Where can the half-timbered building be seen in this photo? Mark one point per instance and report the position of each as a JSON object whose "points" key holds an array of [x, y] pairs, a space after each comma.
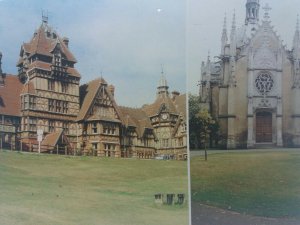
{"points": [[82, 119]]}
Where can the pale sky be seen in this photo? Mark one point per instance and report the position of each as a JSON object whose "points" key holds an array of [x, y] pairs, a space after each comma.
{"points": [[125, 40], [205, 23]]}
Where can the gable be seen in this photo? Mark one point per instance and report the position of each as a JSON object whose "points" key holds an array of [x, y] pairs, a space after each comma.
{"points": [[102, 107], [97, 103], [266, 47]]}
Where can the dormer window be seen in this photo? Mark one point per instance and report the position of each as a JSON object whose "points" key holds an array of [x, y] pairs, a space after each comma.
{"points": [[57, 60]]}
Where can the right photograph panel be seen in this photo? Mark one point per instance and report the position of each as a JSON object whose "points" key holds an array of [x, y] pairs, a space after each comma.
{"points": [[243, 66]]}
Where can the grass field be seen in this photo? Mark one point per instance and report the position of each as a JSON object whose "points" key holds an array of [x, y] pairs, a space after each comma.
{"points": [[50, 189], [265, 183]]}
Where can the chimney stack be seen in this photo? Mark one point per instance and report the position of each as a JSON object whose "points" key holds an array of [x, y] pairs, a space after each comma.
{"points": [[66, 41], [175, 94]]}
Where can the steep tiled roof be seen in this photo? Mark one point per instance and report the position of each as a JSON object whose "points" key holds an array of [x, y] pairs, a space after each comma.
{"points": [[88, 93], [10, 102], [51, 139], [153, 109], [137, 118], [180, 104], [43, 44]]}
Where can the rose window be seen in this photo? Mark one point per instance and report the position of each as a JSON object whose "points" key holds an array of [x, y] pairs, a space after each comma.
{"points": [[264, 83]]}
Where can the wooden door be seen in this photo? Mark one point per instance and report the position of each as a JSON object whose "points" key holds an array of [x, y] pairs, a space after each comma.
{"points": [[263, 127]]}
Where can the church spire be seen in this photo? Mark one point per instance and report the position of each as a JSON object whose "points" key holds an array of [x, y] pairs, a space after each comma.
{"points": [[252, 12], [224, 38]]}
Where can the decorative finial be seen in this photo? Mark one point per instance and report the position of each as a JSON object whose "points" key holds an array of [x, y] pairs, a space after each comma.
{"points": [[162, 88], [45, 17], [162, 69], [233, 27], [267, 8], [225, 22], [233, 20]]}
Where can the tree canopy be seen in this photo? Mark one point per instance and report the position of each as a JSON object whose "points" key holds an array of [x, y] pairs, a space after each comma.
{"points": [[203, 129]]}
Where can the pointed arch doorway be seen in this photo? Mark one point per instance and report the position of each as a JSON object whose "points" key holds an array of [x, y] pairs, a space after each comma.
{"points": [[264, 127]]}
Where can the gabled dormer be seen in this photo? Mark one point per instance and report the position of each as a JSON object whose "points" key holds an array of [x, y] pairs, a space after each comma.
{"points": [[97, 102]]}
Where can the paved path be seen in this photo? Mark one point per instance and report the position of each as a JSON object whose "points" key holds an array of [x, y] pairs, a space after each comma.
{"points": [[207, 215], [210, 151]]}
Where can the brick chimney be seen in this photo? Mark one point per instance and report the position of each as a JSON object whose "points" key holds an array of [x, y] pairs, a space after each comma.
{"points": [[175, 94]]}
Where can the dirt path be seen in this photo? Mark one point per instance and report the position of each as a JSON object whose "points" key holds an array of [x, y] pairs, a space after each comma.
{"points": [[207, 215]]}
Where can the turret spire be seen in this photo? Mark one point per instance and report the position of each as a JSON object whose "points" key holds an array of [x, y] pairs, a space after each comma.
{"points": [[233, 36], [162, 88], [224, 38], [296, 41], [233, 26]]}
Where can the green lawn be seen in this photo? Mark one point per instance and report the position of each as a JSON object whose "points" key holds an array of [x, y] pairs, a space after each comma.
{"points": [[265, 183], [50, 189]]}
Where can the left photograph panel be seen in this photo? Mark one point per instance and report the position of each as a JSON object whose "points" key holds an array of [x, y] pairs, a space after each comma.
{"points": [[93, 113]]}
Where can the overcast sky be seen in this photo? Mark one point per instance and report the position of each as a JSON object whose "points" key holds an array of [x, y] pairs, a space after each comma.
{"points": [[127, 40], [205, 22]]}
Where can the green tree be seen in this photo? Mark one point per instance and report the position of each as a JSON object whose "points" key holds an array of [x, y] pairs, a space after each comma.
{"points": [[203, 128], [205, 125], [194, 108]]}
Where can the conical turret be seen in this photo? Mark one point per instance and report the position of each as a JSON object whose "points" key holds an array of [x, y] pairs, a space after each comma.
{"points": [[162, 88]]}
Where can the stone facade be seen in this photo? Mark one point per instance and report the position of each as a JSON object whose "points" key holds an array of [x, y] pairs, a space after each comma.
{"points": [[254, 90]]}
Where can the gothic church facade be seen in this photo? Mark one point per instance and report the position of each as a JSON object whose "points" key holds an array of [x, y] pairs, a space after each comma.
{"points": [[254, 89]]}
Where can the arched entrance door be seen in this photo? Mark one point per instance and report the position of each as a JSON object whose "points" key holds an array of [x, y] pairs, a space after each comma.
{"points": [[263, 127]]}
